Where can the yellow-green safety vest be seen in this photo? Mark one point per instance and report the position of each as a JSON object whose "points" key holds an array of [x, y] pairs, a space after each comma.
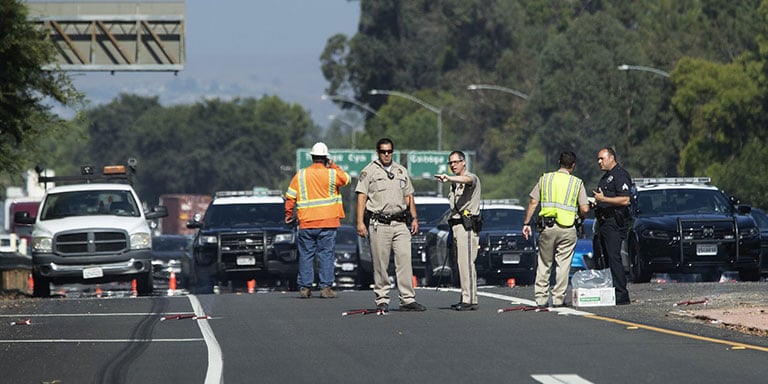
{"points": [[559, 196]]}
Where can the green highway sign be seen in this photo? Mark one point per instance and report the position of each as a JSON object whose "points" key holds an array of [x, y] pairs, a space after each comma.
{"points": [[426, 164], [351, 160]]}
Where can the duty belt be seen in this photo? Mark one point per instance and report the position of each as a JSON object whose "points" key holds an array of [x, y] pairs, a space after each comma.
{"points": [[386, 219]]}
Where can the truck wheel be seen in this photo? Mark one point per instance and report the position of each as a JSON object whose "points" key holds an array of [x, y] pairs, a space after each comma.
{"points": [[42, 287], [145, 284], [752, 274]]}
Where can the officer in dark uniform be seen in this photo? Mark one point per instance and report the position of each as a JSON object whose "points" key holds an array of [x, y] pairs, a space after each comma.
{"points": [[612, 212]]}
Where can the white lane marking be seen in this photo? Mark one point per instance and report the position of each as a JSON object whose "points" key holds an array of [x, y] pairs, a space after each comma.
{"points": [[215, 372], [94, 314], [560, 379], [518, 300], [98, 341]]}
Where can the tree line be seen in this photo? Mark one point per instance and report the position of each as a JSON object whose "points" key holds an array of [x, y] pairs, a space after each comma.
{"points": [[704, 119]]}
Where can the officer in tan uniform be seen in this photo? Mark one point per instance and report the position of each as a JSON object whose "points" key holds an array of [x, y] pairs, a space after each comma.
{"points": [[464, 201], [384, 198]]}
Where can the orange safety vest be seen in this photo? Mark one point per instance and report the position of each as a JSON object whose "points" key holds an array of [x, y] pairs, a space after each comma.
{"points": [[316, 191]]}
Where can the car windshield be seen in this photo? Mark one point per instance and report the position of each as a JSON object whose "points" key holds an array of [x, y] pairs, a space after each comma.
{"points": [[87, 203], [170, 243], [497, 218], [760, 218], [681, 201], [346, 237], [431, 213], [244, 215]]}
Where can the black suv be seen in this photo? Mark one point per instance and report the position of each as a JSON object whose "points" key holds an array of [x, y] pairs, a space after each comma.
{"points": [[242, 236], [687, 225]]}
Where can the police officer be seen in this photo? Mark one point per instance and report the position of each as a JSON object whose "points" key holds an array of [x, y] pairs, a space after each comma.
{"points": [[464, 200], [612, 213], [563, 198], [384, 198]]}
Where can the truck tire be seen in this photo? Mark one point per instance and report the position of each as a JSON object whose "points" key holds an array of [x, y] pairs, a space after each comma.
{"points": [[145, 284], [42, 286]]}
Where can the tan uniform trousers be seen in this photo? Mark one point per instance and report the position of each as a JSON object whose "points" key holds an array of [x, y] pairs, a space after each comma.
{"points": [[386, 238], [556, 244], [467, 243]]}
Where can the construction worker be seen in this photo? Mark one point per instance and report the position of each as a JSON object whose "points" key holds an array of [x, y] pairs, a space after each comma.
{"points": [[464, 200], [384, 197], [314, 192], [562, 198]]}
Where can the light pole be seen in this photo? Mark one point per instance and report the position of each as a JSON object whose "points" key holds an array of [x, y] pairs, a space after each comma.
{"points": [[424, 104], [625, 67], [475, 87], [351, 101], [349, 124]]}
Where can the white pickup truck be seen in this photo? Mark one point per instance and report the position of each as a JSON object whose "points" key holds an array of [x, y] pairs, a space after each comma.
{"points": [[93, 231]]}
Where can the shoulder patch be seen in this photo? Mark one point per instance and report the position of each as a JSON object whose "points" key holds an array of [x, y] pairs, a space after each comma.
{"points": [[362, 175]]}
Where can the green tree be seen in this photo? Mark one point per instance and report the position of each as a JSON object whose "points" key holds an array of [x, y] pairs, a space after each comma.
{"points": [[27, 92]]}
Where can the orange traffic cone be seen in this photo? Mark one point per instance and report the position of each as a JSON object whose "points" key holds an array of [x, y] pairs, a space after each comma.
{"points": [[415, 281], [251, 285], [172, 283], [30, 283], [98, 290], [133, 288], [511, 282]]}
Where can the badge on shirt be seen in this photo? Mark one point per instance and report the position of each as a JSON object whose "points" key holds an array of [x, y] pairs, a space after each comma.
{"points": [[362, 175], [610, 178]]}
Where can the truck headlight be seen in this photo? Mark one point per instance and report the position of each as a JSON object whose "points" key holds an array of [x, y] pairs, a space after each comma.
{"points": [[750, 233], [42, 244], [141, 241], [284, 238], [208, 240]]}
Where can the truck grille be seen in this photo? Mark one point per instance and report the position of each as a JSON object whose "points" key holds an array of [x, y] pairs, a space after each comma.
{"points": [[91, 242], [247, 244], [707, 230]]}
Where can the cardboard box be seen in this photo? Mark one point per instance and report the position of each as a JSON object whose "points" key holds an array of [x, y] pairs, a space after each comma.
{"points": [[594, 297]]}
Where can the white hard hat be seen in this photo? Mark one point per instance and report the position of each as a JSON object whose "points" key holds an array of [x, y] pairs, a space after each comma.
{"points": [[319, 149]]}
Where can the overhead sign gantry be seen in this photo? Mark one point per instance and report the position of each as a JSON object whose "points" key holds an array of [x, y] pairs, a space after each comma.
{"points": [[113, 35]]}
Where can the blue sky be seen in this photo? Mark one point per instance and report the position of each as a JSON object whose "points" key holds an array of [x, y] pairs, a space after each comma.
{"points": [[247, 48]]}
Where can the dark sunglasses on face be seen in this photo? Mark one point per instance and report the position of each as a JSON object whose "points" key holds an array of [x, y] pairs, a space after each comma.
{"points": [[452, 162], [386, 152]]}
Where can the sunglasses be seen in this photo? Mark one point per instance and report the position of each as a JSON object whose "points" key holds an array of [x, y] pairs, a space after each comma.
{"points": [[454, 162], [386, 152]]}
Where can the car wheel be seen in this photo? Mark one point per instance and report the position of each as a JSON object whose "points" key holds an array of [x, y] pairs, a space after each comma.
{"points": [[42, 286], [638, 271], [752, 274], [145, 284]]}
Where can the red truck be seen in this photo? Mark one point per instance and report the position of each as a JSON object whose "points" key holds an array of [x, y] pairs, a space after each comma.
{"points": [[181, 208]]}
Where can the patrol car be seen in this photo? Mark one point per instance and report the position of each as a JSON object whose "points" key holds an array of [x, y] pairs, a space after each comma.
{"points": [[504, 253], [687, 225], [92, 231], [242, 236]]}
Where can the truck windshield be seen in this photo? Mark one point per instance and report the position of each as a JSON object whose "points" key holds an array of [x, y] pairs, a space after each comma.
{"points": [[244, 215], [88, 203]]}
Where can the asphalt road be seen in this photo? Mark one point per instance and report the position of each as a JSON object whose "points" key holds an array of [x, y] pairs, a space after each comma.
{"points": [[276, 337]]}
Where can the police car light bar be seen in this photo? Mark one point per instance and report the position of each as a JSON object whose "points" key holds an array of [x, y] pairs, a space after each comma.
{"points": [[266, 192], [502, 201], [672, 180]]}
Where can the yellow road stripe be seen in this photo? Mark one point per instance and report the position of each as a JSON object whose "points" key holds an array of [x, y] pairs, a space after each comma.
{"points": [[681, 334]]}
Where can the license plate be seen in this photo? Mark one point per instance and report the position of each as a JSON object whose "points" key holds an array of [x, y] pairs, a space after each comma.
{"points": [[93, 273], [347, 267], [706, 249], [510, 259], [246, 260]]}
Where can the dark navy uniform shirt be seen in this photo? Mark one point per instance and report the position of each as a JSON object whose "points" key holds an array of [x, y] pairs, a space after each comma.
{"points": [[615, 182]]}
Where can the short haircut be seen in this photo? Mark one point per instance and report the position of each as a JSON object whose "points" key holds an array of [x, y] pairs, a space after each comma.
{"points": [[567, 159], [459, 153], [610, 151], [384, 141]]}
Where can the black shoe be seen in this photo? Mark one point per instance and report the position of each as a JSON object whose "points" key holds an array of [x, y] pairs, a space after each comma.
{"points": [[456, 306], [413, 307], [383, 308], [563, 305], [623, 302], [466, 307]]}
